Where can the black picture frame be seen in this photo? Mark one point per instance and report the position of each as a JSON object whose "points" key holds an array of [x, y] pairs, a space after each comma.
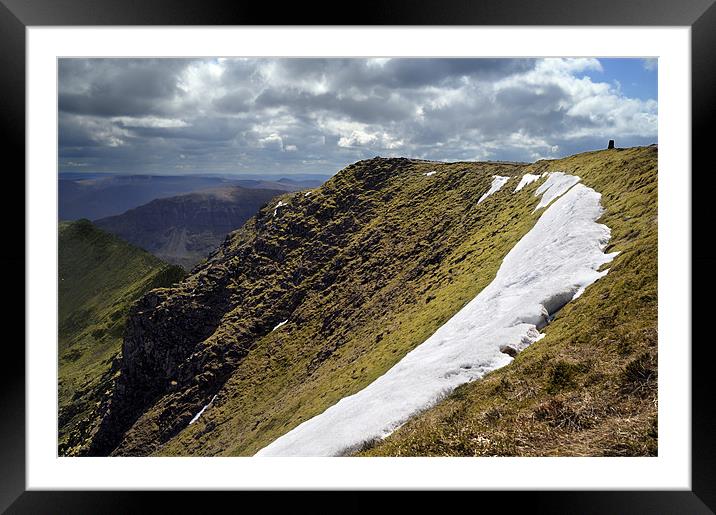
{"points": [[16, 15]]}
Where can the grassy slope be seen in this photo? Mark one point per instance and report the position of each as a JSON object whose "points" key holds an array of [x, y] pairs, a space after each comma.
{"points": [[430, 250], [589, 387], [99, 278], [404, 254]]}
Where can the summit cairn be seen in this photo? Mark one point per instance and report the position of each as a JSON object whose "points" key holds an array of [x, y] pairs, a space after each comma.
{"points": [[611, 144]]}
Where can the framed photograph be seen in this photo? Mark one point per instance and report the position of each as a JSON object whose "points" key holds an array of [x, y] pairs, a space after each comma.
{"points": [[445, 247]]}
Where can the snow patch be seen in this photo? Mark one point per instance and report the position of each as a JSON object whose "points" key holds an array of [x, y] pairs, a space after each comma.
{"points": [[554, 262], [497, 183], [279, 325], [428, 174], [280, 204], [196, 417], [307, 193], [527, 178], [557, 184]]}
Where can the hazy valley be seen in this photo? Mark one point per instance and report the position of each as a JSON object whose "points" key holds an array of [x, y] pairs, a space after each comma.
{"points": [[94, 196]]}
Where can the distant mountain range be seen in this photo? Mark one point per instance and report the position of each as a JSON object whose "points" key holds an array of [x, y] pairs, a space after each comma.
{"points": [[95, 196], [184, 229]]}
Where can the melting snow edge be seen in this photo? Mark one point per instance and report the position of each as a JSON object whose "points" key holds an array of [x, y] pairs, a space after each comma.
{"points": [[497, 183]]}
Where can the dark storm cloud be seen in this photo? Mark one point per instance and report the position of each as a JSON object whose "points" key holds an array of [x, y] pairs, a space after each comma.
{"points": [[422, 72], [379, 106], [118, 87], [317, 115], [73, 133], [532, 100], [401, 73], [238, 101]]}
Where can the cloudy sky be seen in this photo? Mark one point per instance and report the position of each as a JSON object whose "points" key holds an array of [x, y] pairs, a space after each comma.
{"points": [[277, 116]]}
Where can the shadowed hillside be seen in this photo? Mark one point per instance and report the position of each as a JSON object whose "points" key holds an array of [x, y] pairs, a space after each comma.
{"points": [[100, 276], [183, 230]]}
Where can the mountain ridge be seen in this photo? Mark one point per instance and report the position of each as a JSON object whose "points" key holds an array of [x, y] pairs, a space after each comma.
{"points": [[184, 229], [100, 196], [318, 295]]}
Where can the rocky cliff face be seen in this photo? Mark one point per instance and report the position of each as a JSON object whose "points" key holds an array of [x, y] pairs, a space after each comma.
{"points": [[316, 296], [184, 229]]}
